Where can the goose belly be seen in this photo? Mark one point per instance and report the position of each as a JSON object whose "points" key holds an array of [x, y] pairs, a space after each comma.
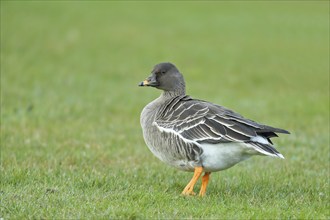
{"points": [[222, 156]]}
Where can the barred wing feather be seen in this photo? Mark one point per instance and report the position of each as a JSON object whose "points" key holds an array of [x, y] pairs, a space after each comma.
{"points": [[201, 122]]}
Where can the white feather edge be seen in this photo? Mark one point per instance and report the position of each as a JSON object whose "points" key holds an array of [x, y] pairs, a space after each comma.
{"points": [[168, 130]]}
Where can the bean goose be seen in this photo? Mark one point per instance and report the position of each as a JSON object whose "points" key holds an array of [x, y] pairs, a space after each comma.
{"points": [[198, 136]]}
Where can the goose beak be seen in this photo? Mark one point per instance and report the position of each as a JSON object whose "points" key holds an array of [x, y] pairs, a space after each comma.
{"points": [[150, 81]]}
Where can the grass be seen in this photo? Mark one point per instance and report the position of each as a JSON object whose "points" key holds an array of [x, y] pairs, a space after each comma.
{"points": [[71, 143]]}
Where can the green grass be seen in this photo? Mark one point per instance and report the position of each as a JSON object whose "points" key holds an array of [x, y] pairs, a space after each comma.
{"points": [[71, 142]]}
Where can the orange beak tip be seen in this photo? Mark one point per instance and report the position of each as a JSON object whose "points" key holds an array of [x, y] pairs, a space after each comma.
{"points": [[143, 83]]}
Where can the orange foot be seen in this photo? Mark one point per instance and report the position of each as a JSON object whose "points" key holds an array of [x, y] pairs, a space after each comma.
{"points": [[188, 193], [205, 181], [188, 190]]}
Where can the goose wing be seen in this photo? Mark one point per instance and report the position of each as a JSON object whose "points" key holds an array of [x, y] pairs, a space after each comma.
{"points": [[203, 122]]}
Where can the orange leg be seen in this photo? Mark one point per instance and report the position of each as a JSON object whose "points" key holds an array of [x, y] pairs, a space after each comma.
{"points": [[205, 181], [188, 190]]}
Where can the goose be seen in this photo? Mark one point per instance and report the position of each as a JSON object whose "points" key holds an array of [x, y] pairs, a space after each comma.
{"points": [[198, 136]]}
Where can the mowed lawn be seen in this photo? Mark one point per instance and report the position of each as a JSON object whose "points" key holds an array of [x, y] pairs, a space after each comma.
{"points": [[71, 142]]}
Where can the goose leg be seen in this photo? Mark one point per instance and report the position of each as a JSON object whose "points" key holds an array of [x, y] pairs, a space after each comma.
{"points": [[188, 190], [205, 181]]}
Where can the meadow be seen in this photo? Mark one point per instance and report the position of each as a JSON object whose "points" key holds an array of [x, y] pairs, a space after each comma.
{"points": [[71, 142]]}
